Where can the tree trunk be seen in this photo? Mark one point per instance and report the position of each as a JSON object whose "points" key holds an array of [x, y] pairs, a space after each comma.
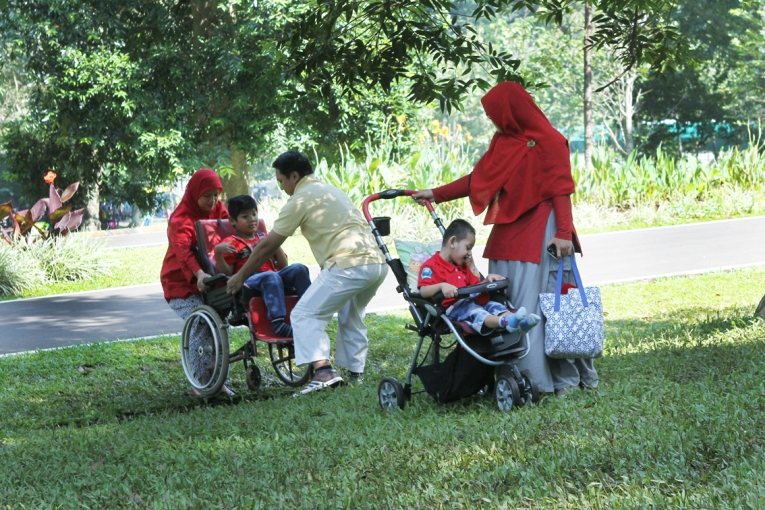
{"points": [[236, 184], [629, 113], [589, 125], [91, 220], [135, 217]]}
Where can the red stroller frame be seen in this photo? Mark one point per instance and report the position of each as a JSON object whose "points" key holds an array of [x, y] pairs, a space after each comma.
{"points": [[205, 352], [512, 387]]}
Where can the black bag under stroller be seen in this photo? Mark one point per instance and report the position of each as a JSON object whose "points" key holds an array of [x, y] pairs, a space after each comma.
{"points": [[458, 362]]}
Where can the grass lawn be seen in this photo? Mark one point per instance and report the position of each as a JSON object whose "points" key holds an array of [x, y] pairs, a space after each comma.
{"points": [[677, 423]]}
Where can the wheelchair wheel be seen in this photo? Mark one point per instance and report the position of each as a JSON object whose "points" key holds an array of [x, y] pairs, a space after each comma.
{"points": [[507, 393], [205, 350], [283, 360], [252, 374], [390, 394]]}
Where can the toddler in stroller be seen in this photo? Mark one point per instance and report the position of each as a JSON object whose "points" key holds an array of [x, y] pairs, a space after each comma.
{"points": [[479, 358], [447, 271]]}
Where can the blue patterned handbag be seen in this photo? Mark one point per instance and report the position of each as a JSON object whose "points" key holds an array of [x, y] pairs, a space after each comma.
{"points": [[574, 327]]}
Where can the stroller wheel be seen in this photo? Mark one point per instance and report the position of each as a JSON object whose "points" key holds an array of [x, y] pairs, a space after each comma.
{"points": [[507, 393], [253, 377], [390, 394], [204, 351], [531, 389]]}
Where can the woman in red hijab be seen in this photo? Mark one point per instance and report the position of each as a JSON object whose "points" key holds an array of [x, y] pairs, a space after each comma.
{"points": [[524, 183], [181, 273]]}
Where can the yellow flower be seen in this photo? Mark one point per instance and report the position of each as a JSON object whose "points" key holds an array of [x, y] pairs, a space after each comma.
{"points": [[401, 119], [444, 131], [458, 128], [469, 138], [436, 124]]}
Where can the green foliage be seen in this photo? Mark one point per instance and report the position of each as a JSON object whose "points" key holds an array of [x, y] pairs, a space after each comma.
{"points": [[714, 97], [17, 273], [27, 265], [438, 160], [662, 177], [435, 45], [69, 258], [111, 424]]}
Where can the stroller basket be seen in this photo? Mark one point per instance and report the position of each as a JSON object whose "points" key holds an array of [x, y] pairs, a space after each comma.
{"points": [[383, 225]]}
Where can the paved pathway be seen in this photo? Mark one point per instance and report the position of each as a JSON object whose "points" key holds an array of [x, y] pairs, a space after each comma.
{"points": [[139, 311]]}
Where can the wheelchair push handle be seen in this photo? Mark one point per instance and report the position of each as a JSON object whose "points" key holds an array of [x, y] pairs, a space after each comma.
{"points": [[212, 280], [387, 195]]}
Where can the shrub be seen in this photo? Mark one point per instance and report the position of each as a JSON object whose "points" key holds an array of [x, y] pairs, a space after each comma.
{"points": [[18, 271], [69, 258]]}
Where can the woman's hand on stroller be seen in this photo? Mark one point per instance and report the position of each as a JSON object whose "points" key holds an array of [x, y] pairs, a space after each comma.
{"points": [[494, 277], [422, 195]]}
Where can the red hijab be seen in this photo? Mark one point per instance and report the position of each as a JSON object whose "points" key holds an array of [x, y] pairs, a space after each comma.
{"points": [[526, 164], [188, 210]]}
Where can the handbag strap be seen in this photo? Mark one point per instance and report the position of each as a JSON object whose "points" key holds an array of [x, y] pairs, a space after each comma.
{"points": [[577, 279]]}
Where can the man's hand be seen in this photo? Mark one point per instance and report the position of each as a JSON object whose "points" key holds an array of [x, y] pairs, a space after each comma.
{"points": [[494, 277], [235, 284], [448, 290], [224, 248], [563, 247]]}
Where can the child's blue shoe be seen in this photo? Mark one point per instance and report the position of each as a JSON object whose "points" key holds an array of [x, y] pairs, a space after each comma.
{"points": [[529, 322], [512, 323]]}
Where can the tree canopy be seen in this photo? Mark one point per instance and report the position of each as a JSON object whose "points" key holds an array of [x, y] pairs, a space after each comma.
{"points": [[128, 94], [435, 46]]}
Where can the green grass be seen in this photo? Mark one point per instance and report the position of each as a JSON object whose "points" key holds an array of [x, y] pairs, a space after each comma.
{"points": [[677, 423]]}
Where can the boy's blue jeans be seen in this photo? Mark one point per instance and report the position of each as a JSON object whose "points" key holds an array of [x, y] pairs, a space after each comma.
{"points": [[271, 286]]}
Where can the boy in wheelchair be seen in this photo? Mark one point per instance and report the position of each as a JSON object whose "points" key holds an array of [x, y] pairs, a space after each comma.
{"points": [[448, 270], [273, 276]]}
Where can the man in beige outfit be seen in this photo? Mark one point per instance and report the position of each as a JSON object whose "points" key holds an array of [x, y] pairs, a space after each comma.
{"points": [[352, 270]]}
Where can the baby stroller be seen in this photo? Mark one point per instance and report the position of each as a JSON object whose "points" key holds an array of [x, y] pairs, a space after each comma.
{"points": [[205, 352], [458, 362]]}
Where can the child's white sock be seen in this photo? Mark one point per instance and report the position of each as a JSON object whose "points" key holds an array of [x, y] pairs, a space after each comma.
{"points": [[529, 322], [513, 322]]}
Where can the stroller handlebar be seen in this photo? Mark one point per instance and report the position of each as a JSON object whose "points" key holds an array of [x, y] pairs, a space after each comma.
{"points": [[387, 195], [479, 288]]}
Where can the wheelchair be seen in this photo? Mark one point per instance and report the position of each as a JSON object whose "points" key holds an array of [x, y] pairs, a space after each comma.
{"points": [[205, 351]]}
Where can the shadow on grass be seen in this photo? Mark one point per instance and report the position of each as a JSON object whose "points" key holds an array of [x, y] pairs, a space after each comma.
{"points": [[173, 406]]}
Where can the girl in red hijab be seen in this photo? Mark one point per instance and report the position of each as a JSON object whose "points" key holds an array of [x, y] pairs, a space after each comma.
{"points": [[524, 183], [181, 273]]}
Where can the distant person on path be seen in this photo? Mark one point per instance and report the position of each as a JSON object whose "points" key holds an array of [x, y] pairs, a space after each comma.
{"points": [[352, 268], [270, 278], [448, 270], [524, 183], [181, 275]]}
